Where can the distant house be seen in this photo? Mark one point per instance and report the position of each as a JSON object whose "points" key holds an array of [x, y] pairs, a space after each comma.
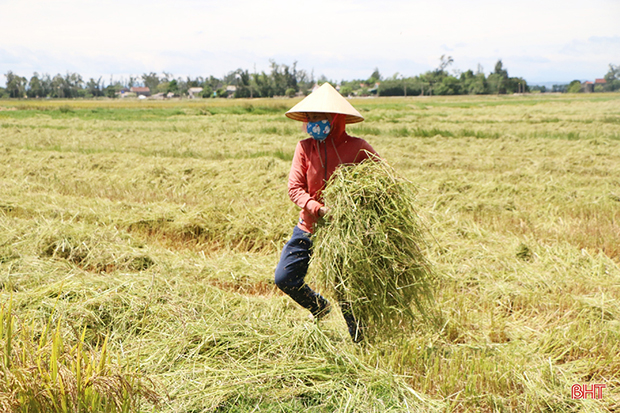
{"points": [[374, 90], [599, 85], [194, 92], [126, 93], [230, 90], [141, 91], [587, 87]]}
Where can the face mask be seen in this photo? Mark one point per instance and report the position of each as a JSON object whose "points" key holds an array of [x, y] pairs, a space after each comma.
{"points": [[319, 130]]}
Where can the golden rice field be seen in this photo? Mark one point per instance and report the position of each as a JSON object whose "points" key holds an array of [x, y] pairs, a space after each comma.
{"points": [[138, 242]]}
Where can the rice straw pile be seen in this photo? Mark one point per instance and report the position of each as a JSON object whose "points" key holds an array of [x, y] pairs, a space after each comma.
{"points": [[368, 250]]}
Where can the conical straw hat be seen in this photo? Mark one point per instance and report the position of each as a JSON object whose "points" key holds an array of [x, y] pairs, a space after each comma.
{"points": [[325, 99]]}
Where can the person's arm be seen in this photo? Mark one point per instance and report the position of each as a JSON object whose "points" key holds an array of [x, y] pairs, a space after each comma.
{"points": [[298, 183]]}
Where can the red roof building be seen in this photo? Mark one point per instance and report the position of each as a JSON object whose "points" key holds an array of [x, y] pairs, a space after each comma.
{"points": [[587, 87], [138, 90]]}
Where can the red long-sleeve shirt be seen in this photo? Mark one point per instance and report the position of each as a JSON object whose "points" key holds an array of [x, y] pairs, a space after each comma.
{"points": [[314, 162]]}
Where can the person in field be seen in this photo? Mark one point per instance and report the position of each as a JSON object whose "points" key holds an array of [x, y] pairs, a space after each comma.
{"points": [[325, 114]]}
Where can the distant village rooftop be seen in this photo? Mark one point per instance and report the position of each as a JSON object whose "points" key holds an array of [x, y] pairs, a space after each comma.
{"points": [[141, 90]]}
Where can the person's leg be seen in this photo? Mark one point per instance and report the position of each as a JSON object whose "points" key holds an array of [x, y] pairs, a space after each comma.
{"points": [[353, 325], [291, 272]]}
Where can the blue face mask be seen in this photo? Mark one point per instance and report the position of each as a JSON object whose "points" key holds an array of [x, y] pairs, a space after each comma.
{"points": [[319, 130]]}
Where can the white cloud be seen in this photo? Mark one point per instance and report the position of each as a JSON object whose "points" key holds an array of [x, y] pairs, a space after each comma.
{"points": [[536, 39], [595, 45]]}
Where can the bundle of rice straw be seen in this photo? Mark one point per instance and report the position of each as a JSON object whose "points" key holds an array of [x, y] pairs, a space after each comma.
{"points": [[368, 250]]}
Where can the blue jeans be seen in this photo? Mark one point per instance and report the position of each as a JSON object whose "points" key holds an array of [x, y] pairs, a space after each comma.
{"points": [[290, 278], [291, 272]]}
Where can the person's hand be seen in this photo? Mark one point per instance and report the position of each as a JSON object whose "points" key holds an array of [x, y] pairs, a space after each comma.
{"points": [[323, 210]]}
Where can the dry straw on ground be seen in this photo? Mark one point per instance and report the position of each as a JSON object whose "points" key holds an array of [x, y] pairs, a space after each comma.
{"points": [[158, 225], [369, 250]]}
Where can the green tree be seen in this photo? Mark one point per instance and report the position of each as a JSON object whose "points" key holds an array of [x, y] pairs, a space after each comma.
{"points": [[46, 85], [472, 84], [613, 78], [133, 81], [283, 77], [94, 87], [207, 91], [15, 85], [262, 83], [374, 78], [110, 91], [400, 86], [305, 81], [353, 85], [559, 88], [499, 69], [210, 84], [479, 85], [162, 87], [35, 87], [444, 62], [58, 86], [74, 83], [151, 80], [430, 80], [498, 79], [449, 85], [613, 73], [68, 86], [242, 80], [346, 91], [173, 87], [193, 83], [574, 87]]}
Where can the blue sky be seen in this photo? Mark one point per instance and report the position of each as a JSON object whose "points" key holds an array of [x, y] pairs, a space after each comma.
{"points": [[542, 41]]}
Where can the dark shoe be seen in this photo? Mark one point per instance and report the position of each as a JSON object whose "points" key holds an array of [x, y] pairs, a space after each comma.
{"points": [[354, 326], [327, 308]]}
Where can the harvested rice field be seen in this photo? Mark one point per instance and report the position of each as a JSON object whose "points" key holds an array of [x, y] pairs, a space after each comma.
{"points": [[138, 241]]}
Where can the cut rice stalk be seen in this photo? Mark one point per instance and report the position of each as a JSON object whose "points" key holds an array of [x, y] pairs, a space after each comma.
{"points": [[368, 251]]}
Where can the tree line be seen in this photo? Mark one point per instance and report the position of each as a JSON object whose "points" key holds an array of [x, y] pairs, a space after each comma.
{"points": [[439, 82], [282, 80], [288, 80]]}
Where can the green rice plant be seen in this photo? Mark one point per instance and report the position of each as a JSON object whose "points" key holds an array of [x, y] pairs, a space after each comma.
{"points": [[364, 130], [41, 373], [428, 133], [370, 249]]}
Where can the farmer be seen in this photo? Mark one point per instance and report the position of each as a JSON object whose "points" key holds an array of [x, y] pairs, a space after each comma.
{"points": [[324, 113]]}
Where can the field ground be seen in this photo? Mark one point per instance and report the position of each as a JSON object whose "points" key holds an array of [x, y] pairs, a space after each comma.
{"points": [[159, 224]]}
